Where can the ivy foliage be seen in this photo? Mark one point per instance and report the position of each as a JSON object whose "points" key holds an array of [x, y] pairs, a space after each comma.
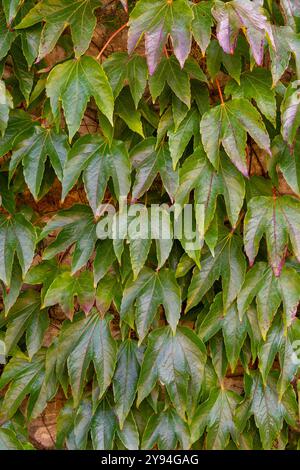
{"points": [[146, 341]]}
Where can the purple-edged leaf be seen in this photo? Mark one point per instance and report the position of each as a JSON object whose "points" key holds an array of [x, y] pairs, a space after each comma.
{"points": [[158, 19], [290, 9], [290, 113], [241, 14]]}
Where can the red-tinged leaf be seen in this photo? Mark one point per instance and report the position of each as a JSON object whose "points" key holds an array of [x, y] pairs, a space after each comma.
{"points": [[157, 20], [241, 14]]}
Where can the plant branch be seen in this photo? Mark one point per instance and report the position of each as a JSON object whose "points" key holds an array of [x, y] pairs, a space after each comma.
{"points": [[111, 38], [220, 91]]}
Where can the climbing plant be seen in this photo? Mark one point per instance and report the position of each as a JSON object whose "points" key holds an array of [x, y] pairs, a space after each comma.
{"points": [[115, 117]]}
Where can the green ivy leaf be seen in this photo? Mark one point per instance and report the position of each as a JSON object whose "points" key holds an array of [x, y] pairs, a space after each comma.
{"points": [[9, 440], [148, 161], [33, 152], [108, 291], [73, 83], [25, 377], [229, 124], [104, 258], [126, 379], [26, 316], [84, 341], [197, 173], [234, 332], [10, 8], [23, 75], [77, 226], [166, 429], [20, 126], [278, 219], [215, 57], [169, 71], [288, 365], [202, 24], [285, 159], [17, 237], [179, 138], [177, 361], [6, 104], [65, 287], [256, 85], [137, 74], [290, 113], [216, 415], [228, 262], [57, 16], [103, 427], [6, 36], [98, 161], [147, 292], [125, 108], [262, 402]]}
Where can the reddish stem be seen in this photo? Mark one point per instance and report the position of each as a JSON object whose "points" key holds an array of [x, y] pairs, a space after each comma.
{"points": [[110, 39], [220, 91]]}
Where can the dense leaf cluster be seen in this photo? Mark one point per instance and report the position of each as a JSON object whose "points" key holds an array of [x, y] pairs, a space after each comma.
{"points": [[149, 342]]}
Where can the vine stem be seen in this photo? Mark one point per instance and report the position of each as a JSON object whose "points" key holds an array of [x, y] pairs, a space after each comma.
{"points": [[111, 38], [237, 223], [220, 91]]}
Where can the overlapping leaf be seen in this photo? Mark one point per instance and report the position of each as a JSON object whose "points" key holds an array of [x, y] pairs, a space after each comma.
{"points": [[57, 16], [77, 226], [87, 340], [98, 161], [229, 263], [17, 237], [6, 104], [65, 287], [177, 361], [33, 152], [157, 20], [245, 15], [278, 218], [229, 124], [84, 77], [147, 292]]}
